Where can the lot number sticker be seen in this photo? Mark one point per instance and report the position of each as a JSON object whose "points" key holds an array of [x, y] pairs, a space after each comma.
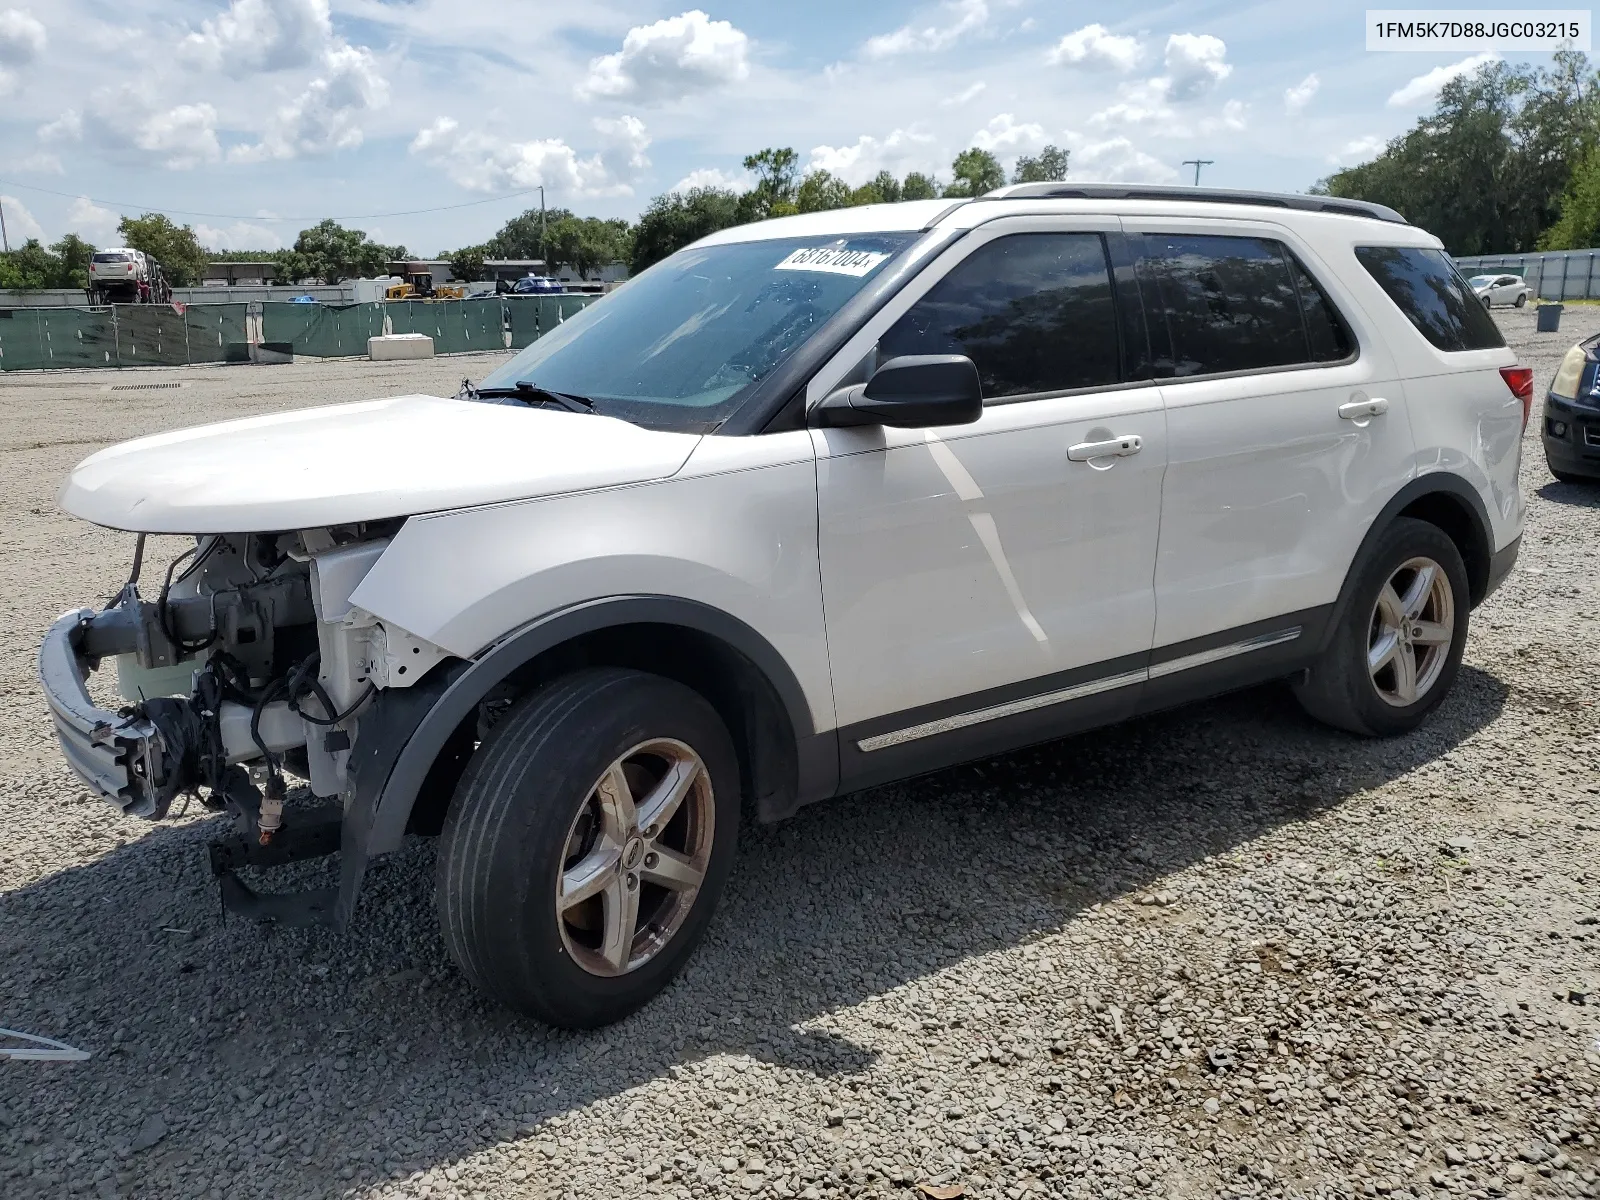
{"points": [[833, 260]]}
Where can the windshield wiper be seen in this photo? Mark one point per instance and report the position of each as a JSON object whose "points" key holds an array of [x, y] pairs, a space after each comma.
{"points": [[531, 393]]}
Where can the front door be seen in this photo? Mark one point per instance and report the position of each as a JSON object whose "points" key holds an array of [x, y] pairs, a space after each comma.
{"points": [[990, 584]]}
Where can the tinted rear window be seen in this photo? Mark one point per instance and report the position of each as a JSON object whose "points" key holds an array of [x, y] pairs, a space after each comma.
{"points": [[111, 258], [1430, 291], [1236, 304]]}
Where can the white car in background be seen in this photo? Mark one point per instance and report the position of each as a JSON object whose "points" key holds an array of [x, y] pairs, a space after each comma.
{"points": [[1501, 289]]}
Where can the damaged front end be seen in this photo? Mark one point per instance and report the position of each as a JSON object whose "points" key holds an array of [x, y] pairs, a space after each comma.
{"points": [[249, 663]]}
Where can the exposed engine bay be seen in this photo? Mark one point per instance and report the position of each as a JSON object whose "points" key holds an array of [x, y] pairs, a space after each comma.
{"points": [[249, 664]]}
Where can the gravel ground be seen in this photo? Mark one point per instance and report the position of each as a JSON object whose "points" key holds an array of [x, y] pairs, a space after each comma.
{"points": [[1223, 951]]}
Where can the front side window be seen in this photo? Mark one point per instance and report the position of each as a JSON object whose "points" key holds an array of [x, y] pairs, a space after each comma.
{"points": [[1034, 311], [684, 344], [1236, 304], [1428, 289]]}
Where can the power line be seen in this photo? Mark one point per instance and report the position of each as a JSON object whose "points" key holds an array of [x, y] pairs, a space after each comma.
{"points": [[185, 212]]}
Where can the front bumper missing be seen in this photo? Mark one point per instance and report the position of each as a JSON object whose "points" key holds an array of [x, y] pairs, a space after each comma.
{"points": [[119, 755]]}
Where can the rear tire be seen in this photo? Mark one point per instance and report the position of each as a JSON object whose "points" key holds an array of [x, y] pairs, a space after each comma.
{"points": [[587, 845], [1397, 648], [1522, 299]]}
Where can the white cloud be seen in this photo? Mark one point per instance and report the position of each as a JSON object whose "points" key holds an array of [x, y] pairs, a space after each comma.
{"points": [[670, 58], [326, 115], [1357, 150], [492, 164], [1004, 135], [123, 119], [1141, 103], [20, 225], [903, 150], [1231, 119], [963, 96], [22, 37], [262, 35], [1427, 86], [40, 163], [965, 17], [1196, 63], [1095, 46], [241, 235], [1296, 98], [712, 177], [93, 223], [1116, 160]]}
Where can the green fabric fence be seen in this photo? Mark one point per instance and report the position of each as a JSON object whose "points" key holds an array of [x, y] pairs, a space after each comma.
{"points": [[130, 335]]}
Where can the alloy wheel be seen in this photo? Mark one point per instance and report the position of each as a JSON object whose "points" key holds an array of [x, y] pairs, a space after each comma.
{"points": [[1413, 624], [636, 854]]}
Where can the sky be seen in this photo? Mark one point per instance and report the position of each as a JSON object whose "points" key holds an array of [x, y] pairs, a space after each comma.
{"points": [[421, 121]]}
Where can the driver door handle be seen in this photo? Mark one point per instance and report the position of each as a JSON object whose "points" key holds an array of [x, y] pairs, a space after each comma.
{"points": [[1122, 447], [1358, 410]]}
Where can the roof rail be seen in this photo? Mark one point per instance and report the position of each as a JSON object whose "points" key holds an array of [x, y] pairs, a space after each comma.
{"points": [[1194, 195]]}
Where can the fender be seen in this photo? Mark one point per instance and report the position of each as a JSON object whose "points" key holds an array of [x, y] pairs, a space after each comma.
{"points": [[1434, 483], [390, 765]]}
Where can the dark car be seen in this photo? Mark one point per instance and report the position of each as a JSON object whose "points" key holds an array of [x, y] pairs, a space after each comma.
{"points": [[1572, 416], [536, 285]]}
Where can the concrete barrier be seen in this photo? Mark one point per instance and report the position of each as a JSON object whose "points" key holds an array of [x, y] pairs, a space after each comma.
{"points": [[399, 345]]}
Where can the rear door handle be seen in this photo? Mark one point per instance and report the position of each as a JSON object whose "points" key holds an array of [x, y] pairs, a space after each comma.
{"points": [[1359, 410], [1122, 447]]}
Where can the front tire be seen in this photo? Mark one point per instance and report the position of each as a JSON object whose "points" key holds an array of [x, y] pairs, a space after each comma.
{"points": [[587, 845], [1397, 648]]}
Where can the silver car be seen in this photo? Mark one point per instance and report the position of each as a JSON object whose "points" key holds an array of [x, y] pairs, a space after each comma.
{"points": [[1501, 289]]}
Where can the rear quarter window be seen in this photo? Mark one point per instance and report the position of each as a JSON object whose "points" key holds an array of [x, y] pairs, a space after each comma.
{"points": [[1428, 289]]}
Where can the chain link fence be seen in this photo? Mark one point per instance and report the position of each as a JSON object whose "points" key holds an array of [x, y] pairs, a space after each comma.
{"points": [[142, 335]]}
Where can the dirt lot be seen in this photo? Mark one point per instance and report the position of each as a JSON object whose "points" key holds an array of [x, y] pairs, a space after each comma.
{"points": [[1222, 951]]}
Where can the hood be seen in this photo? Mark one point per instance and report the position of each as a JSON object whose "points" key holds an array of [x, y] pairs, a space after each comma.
{"points": [[360, 462]]}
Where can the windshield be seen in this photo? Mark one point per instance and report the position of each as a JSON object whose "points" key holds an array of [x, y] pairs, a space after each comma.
{"points": [[682, 346]]}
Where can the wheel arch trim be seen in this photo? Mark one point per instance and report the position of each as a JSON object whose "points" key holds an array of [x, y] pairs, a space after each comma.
{"points": [[1452, 488], [399, 763]]}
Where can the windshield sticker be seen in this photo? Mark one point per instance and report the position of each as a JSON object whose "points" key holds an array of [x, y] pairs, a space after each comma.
{"points": [[832, 259]]}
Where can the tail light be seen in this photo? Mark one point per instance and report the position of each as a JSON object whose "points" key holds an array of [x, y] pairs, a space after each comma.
{"points": [[1520, 381]]}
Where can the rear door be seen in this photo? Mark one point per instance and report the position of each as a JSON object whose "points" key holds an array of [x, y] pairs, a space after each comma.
{"points": [[1287, 434]]}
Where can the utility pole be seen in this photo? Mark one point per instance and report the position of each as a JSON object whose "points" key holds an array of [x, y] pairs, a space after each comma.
{"points": [[541, 224], [5, 242], [1197, 163]]}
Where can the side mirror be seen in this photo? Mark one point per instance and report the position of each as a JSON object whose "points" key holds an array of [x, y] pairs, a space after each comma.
{"points": [[914, 391]]}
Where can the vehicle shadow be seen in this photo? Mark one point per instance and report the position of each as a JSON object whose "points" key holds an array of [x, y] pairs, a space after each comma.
{"points": [[1573, 495], [366, 1054]]}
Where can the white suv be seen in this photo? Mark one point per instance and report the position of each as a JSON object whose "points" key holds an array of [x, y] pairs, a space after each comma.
{"points": [[813, 504]]}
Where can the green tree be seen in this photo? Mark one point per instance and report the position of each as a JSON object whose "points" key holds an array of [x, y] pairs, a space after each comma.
{"points": [[1489, 168], [1578, 226], [467, 263], [587, 243], [183, 259], [30, 266], [821, 190], [1048, 166], [919, 187], [882, 188], [521, 237], [674, 220], [777, 172], [333, 253], [976, 171], [74, 254]]}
